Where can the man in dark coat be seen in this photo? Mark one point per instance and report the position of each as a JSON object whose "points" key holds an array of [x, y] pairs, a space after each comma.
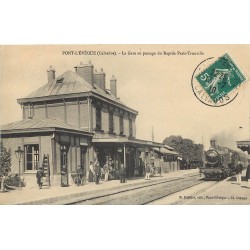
{"points": [[79, 172], [248, 175], [122, 173], [238, 171], [39, 176], [97, 170]]}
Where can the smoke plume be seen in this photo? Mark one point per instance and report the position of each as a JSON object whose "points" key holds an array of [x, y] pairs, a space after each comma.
{"points": [[226, 140]]}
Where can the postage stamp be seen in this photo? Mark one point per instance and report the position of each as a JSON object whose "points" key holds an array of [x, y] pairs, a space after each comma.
{"points": [[220, 78]]}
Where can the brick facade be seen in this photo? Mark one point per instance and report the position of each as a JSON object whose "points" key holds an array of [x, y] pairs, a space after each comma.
{"points": [[39, 111], [56, 112], [72, 113], [84, 115]]}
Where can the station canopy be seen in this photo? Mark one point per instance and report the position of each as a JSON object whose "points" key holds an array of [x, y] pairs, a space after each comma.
{"points": [[165, 151]]}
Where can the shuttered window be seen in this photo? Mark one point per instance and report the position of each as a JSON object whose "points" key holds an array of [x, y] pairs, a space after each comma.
{"points": [[121, 125], [130, 128], [98, 119], [111, 122]]}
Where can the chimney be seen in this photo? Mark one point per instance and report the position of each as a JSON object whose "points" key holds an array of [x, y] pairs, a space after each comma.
{"points": [[86, 72], [213, 144], [99, 79], [51, 74], [113, 87]]}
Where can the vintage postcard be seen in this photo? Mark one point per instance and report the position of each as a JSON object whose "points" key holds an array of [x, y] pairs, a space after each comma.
{"points": [[125, 125]]}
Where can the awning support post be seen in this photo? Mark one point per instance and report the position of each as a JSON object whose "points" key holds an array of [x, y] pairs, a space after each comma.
{"points": [[124, 155]]}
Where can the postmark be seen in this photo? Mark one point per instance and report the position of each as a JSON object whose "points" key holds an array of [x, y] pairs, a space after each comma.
{"points": [[215, 82]]}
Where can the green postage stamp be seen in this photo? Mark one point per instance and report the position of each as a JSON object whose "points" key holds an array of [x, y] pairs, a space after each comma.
{"points": [[221, 78]]}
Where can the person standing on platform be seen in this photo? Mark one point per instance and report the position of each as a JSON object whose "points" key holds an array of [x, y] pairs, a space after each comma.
{"points": [[248, 175], [64, 176], [161, 165], [238, 171], [116, 169], [79, 172], [97, 170], [122, 173], [91, 172], [39, 176], [147, 169], [3, 177], [106, 171]]}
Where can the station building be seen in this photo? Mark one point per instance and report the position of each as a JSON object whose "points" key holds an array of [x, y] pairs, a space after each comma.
{"points": [[75, 119]]}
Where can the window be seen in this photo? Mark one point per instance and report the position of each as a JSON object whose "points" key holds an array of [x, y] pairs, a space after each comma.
{"points": [[31, 157], [121, 125], [98, 119], [130, 128], [111, 122], [30, 111]]}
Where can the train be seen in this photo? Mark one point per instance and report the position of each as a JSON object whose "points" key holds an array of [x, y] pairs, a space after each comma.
{"points": [[221, 162]]}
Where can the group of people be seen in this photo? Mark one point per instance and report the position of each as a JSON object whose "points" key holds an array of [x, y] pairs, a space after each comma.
{"points": [[150, 169], [96, 172]]}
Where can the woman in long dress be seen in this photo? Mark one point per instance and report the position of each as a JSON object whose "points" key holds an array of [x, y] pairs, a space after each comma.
{"points": [[64, 177]]}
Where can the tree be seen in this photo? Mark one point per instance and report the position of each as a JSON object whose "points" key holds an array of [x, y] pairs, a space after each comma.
{"points": [[5, 160], [188, 150]]}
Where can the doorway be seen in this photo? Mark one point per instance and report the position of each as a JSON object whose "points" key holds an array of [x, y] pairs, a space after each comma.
{"points": [[64, 165], [83, 159]]}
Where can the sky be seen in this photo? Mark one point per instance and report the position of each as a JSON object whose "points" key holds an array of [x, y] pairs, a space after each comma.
{"points": [[157, 86]]}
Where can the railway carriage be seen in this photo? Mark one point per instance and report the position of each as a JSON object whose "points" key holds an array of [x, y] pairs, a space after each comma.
{"points": [[220, 162]]}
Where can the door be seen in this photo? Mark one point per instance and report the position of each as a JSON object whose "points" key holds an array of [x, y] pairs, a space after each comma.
{"points": [[83, 159], [64, 166]]}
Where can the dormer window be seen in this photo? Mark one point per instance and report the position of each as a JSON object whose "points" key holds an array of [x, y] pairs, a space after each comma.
{"points": [[108, 92], [60, 80]]}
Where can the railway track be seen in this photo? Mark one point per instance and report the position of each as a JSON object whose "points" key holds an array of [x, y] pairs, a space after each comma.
{"points": [[141, 194]]}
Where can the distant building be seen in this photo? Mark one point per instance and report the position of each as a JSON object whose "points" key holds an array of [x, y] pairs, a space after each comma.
{"points": [[74, 119]]}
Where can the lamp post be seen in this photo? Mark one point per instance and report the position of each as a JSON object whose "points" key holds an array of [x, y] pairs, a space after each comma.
{"points": [[19, 153]]}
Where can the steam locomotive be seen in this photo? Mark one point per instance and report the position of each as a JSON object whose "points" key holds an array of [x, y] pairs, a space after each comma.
{"points": [[220, 162]]}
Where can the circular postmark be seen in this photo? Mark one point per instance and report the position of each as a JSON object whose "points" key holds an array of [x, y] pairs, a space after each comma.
{"points": [[214, 82]]}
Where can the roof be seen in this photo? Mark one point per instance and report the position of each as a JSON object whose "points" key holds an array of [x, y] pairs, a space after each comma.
{"points": [[68, 84], [105, 138], [39, 124], [243, 143], [168, 147], [121, 139], [164, 150]]}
